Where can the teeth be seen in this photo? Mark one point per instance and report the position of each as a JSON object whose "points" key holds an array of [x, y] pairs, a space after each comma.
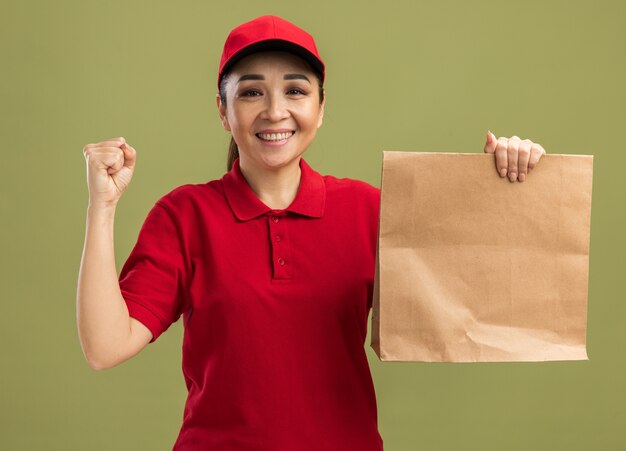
{"points": [[274, 136]]}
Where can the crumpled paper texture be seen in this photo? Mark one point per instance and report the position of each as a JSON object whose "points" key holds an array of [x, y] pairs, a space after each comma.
{"points": [[474, 268]]}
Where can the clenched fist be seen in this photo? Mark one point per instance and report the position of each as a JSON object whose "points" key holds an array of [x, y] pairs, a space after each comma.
{"points": [[110, 166]]}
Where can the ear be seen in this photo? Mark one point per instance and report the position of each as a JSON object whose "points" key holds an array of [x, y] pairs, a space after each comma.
{"points": [[221, 109], [321, 116]]}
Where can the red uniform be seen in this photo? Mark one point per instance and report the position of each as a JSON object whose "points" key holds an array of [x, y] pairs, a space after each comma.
{"points": [[275, 306]]}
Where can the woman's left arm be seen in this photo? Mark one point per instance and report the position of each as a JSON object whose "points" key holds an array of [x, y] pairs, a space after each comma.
{"points": [[515, 157]]}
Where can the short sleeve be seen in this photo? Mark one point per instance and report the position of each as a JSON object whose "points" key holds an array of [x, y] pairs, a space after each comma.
{"points": [[152, 279]]}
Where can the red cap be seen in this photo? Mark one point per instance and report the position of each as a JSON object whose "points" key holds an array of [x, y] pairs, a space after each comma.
{"points": [[268, 33]]}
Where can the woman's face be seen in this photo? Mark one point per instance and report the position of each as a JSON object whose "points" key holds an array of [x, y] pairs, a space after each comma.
{"points": [[272, 108]]}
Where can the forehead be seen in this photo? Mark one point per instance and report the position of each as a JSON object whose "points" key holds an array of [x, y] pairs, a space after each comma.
{"points": [[272, 60]]}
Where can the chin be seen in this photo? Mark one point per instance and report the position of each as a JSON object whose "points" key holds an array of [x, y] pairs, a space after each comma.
{"points": [[278, 161]]}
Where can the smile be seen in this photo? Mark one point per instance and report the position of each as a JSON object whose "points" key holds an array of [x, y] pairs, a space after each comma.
{"points": [[274, 137]]}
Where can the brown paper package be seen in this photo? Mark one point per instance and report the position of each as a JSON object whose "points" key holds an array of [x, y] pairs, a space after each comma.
{"points": [[473, 268]]}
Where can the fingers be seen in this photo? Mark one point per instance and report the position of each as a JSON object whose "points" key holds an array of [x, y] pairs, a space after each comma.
{"points": [[113, 142], [501, 156], [110, 155], [523, 156], [512, 149], [515, 157], [490, 144], [113, 161], [130, 156], [536, 151]]}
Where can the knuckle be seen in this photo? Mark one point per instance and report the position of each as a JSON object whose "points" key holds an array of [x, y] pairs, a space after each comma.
{"points": [[526, 145]]}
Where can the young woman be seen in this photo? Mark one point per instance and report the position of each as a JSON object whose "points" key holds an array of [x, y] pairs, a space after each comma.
{"points": [[271, 266]]}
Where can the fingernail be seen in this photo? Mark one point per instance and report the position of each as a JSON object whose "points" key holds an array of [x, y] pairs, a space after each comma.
{"points": [[512, 176], [522, 177], [503, 172]]}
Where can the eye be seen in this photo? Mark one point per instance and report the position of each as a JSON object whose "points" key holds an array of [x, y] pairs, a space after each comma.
{"points": [[296, 91], [250, 93]]}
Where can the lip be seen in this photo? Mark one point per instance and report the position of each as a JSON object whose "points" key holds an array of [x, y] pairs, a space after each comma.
{"points": [[280, 143], [276, 130]]}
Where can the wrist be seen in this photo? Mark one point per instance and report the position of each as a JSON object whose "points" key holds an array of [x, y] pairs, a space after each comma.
{"points": [[101, 207]]}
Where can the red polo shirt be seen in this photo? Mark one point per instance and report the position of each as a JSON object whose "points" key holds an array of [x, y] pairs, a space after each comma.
{"points": [[275, 306]]}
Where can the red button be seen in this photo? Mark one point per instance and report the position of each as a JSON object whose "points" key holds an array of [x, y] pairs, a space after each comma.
{"points": [[275, 218], [277, 237], [281, 261]]}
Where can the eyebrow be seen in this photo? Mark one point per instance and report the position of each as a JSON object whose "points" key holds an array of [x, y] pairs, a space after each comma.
{"points": [[261, 77]]}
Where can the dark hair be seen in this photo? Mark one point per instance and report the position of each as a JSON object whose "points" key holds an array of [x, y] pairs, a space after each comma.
{"points": [[233, 150]]}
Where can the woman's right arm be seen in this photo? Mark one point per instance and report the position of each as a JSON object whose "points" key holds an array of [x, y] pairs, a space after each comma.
{"points": [[108, 335]]}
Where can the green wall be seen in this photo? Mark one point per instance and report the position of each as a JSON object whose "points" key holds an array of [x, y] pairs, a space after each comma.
{"points": [[402, 75]]}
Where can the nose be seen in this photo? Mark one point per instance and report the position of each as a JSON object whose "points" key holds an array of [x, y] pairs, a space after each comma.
{"points": [[275, 108]]}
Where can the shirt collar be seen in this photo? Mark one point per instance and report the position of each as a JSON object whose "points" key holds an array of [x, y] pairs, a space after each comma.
{"points": [[309, 201]]}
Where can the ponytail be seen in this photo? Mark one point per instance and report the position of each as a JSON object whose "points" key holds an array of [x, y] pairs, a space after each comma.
{"points": [[233, 154]]}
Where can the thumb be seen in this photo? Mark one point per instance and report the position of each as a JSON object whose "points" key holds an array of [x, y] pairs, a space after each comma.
{"points": [[130, 156], [490, 144]]}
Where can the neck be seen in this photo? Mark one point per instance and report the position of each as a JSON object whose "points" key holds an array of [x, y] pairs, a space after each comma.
{"points": [[276, 188]]}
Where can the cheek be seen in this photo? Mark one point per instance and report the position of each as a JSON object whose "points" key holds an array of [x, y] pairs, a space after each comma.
{"points": [[309, 116], [240, 120]]}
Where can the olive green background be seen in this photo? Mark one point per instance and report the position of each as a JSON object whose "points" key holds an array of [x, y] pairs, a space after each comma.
{"points": [[402, 75]]}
